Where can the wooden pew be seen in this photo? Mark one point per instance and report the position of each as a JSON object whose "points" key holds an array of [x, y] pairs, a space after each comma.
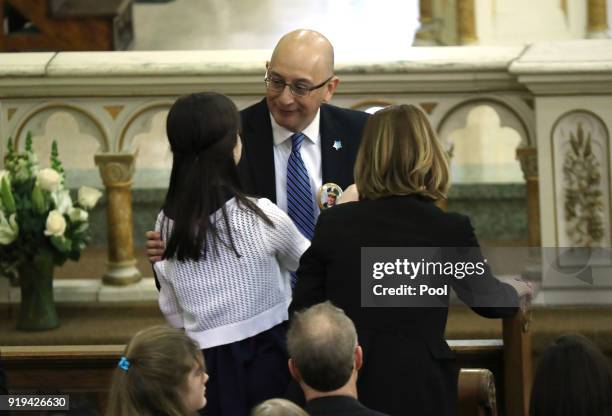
{"points": [[79, 369], [88, 368], [477, 395]]}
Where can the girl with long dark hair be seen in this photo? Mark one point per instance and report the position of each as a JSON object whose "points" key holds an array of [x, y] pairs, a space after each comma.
{"points": [[224, 275]]}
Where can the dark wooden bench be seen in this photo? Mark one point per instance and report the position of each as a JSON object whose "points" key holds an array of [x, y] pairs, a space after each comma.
{"points": [[477, 394], [66, 25], [87, 369]]}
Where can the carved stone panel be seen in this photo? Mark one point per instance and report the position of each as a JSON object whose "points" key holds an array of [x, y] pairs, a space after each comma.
{"points": [[581, 169]]}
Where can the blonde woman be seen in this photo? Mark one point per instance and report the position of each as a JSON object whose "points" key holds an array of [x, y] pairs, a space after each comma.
{"points": [[278, 407], [401, 170], [161, 372]]}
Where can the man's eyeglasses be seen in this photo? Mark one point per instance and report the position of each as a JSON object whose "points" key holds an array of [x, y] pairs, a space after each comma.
{"points": [[278, 84]]}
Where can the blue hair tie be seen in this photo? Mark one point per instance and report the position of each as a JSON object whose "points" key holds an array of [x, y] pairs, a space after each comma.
{"points": [[124, 364]]}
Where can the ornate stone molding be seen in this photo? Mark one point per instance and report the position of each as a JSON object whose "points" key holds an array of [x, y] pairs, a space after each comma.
{"points": [[163, 75], [528, 157], [575, 67], [116, 169]]}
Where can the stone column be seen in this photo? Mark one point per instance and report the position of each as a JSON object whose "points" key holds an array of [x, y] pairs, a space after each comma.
{"points": [[425, 10], [529, 164], [597, 19], [117, 170], [425, 34], [466, 22]]}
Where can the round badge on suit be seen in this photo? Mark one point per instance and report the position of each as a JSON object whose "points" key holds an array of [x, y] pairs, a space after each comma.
{"points": [[328, 195]]}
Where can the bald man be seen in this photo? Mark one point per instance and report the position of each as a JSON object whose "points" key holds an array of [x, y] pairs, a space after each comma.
{"points": [[300, 81]]}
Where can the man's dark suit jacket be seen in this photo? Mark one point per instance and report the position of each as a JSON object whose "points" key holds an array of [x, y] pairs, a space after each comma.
{"points": [[256, 167], [338, 406], [408, 367]]}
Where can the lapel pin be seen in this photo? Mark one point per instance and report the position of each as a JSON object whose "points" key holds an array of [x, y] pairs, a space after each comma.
{"points": [[337, 144]]}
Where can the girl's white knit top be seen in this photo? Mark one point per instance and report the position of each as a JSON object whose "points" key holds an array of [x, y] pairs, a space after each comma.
{"points": [[223, 298]]}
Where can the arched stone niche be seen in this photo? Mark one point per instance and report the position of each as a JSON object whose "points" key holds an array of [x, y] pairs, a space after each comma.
{"points": [[79, 135], [145, 134], [482, 137]]}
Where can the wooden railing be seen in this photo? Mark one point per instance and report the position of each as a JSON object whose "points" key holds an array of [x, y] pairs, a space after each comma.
{"points": [[518, 366], [509, 359]]}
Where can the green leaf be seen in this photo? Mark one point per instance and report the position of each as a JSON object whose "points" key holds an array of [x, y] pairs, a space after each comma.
{"points": [[8, 201], [28, 146], [10, 151], [62, 244], [82, 228], [56, 164], [40, 204]]}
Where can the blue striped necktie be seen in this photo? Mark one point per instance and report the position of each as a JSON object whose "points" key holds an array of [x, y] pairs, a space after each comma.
{"points": [[300, 205]]}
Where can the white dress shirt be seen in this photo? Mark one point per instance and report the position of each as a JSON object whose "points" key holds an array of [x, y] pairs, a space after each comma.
{"points": [[311, 155]]}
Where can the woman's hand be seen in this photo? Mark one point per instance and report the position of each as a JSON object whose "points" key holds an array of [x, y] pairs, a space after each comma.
{"points": [[350, 194], [155, 246], [523, 288]]}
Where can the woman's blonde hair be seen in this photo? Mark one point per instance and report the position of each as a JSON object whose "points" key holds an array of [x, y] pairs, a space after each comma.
{"points": [[401, 155], [149, 380], [278, 407]]}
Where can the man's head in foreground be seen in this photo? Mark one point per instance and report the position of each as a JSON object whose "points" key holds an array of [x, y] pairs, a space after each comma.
{"points": [[325, 356]]}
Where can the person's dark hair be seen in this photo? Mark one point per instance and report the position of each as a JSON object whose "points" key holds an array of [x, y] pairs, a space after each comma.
{"points": [[203, 131], [321, 341], [158, 362], [573, 378]]}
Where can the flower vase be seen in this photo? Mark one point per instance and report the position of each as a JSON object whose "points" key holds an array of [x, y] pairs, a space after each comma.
{"points": [[37, 310]]}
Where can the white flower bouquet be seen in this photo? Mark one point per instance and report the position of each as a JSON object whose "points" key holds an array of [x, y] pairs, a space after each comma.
{"points": [[37, 212]]}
